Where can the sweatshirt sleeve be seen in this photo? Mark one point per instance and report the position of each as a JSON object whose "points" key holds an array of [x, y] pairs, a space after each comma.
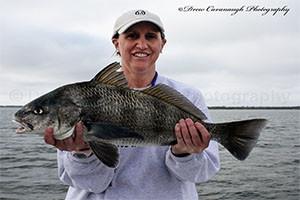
{"points": [[196, 167], [84, 173]]}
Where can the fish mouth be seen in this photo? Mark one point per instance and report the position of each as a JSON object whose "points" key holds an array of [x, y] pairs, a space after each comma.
{"points": [[24, 126]]}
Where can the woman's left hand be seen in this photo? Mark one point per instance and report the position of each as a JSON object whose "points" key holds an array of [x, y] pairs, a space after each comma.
{"points": [[191, 137]]}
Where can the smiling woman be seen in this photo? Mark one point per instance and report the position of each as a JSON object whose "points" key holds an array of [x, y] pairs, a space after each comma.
{"points": [[139, 48], [138, 37]]}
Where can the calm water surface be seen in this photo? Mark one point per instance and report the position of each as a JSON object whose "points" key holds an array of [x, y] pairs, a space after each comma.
{"points": [[28, 167]]}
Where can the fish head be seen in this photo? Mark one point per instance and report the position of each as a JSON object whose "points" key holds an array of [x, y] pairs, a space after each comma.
{"points": [[47, 111]]}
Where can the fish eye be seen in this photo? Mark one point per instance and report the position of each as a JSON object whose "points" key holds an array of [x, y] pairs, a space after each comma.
{"points": [[38, 111]]}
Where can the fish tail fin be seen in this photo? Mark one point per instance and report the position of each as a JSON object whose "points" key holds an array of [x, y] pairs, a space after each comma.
{"points": [[240, 137]]}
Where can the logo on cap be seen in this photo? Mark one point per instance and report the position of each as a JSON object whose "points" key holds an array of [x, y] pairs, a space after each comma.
{"points": [[140, 12]]}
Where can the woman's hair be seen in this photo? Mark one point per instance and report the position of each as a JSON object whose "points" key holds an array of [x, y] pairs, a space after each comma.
{"points": [[116, 36]]}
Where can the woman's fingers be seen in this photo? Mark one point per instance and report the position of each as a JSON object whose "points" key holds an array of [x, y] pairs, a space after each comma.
{"points": [[69, 144], [48, 136], [191, 137], [205, 135]]}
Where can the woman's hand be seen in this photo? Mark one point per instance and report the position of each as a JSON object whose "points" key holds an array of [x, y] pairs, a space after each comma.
{"points": [[69, 144], [189, 139]]}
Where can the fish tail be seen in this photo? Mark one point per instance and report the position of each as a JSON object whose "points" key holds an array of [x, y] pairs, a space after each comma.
{"points": [[239, 137]]}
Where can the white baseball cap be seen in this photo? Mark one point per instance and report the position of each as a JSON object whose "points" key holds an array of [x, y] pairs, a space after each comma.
{"points": [[135, 16]]}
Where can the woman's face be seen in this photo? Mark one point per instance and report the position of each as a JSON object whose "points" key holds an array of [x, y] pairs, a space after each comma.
{"points": [[139, 47]]}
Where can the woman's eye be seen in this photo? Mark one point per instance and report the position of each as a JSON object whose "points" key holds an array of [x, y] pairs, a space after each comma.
{"points": [[38, 111], [150, 36], [132, 35]]}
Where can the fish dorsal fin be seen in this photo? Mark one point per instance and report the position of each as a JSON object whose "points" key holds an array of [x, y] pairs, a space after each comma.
{"points": [[109, 75], [175, 98]]}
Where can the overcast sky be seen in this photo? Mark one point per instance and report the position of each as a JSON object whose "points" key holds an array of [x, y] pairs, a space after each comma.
{"points": [[249, 57]]}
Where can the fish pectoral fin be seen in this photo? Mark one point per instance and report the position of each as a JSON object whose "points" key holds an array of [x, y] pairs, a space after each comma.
{"points": [[108, 154], [111, 131]]}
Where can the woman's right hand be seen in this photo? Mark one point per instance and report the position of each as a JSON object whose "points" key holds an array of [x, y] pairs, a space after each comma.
{"points": [[71, 143]]}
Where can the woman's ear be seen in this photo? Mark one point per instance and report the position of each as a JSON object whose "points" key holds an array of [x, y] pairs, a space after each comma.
{"points": [[116, 44], [163, 44]]}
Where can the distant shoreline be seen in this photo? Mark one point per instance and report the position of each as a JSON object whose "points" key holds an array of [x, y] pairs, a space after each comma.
{"points": [[10, 106], [254, 107], [218, 107]]}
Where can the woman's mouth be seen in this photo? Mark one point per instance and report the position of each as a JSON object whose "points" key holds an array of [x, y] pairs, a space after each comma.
{"points": [[140, 55]]}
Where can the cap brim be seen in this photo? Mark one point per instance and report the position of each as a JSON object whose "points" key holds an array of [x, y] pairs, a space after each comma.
{"points": [[127, 26]]}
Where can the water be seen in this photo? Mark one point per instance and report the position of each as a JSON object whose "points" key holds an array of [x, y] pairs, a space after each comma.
{"points": [[28, 167], [272, 171]]}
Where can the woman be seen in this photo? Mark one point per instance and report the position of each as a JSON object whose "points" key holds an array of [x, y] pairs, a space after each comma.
{"points": [[143, 172]]}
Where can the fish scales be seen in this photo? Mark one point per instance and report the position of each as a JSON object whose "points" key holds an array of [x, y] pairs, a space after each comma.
{"points": [[152, 118], [113, 114]]}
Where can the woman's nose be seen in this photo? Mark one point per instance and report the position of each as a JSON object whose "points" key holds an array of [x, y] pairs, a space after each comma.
{"points": [[142, 43]]}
